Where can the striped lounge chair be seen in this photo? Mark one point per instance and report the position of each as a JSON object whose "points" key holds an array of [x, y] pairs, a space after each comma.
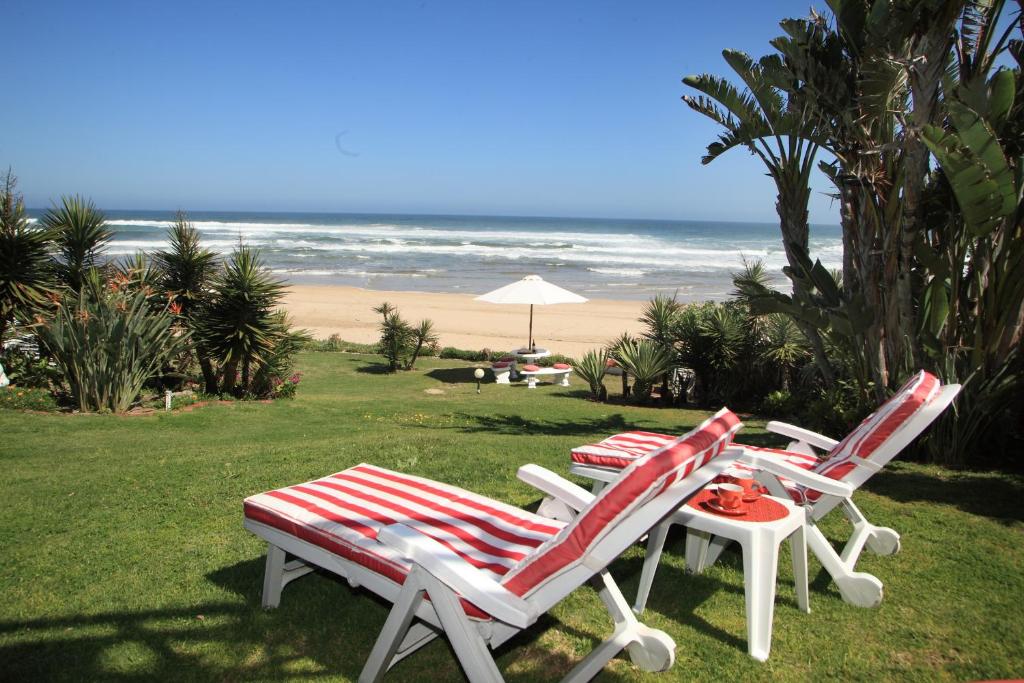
{"points": [[864, 451], [490, 569]]}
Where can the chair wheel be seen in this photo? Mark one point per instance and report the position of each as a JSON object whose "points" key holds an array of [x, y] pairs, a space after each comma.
{"points": [[883, 541], [653, 650], [860, 589]]}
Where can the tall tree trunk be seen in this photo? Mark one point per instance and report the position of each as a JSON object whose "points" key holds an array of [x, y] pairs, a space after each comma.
{"points": [[209, 374], [230, 376], [791, 206], [924, 76]]}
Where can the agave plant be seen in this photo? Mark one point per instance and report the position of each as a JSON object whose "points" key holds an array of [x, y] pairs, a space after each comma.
{"points": [[236, 325], [614, 348], [25, 273], [647, 362], [591, 368], [107, 343], [80, 233]]}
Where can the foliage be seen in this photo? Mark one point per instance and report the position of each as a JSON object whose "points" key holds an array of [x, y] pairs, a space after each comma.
{"points": [[17, 397], [932, 252], [185, 272], [647, 362], [401, 343], [591, 368], [79, 231], [238, 327], [26, 278], [108, 343], [336, 344], [29, 370]]}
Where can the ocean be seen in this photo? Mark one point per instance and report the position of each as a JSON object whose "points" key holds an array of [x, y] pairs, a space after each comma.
{"points": [[598, 258]]}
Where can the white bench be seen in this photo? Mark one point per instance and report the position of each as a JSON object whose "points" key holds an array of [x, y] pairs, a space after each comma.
{"points": [[502, 371], [532, 375]]}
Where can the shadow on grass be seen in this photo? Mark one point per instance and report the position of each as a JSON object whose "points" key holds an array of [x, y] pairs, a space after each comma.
{"points": [[994, 495], [458, 376], [518, 425], [374, 369]]}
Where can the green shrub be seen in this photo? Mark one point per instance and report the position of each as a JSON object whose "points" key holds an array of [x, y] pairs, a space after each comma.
{"points": [[336, 344], [779, 404], [108, 343], [401, 343], [27, 398], [646, 362], [27, 370], [591, 369]]}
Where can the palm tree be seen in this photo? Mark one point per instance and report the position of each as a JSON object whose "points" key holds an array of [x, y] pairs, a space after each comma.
{"points": [[774, 122], [80, 233], [237, 324], [186, 268], [25, 273]]}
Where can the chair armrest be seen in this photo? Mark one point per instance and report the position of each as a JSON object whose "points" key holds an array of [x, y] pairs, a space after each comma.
{"points": [[811, 480], [462, 577], [801, 434], [555, 486]]}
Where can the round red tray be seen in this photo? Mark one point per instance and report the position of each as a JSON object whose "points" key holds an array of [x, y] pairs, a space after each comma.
{"points": [[761, 510]]}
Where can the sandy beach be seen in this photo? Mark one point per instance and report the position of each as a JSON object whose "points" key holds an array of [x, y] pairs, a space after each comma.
{"points": [[570, 329]]}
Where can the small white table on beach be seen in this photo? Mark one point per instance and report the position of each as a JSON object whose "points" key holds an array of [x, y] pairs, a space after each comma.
{"points": [[768, 522]]}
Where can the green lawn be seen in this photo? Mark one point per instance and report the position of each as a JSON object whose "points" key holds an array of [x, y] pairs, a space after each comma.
{"points": [[122, 553]]}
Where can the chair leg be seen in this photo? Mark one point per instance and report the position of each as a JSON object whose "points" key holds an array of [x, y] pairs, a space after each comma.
{"points": [[798, 549], [697, 543], [273, 576], [470, 647], [649, 649], [760, 568], [877, 539], [655, 544], [394, 630], [857, 588]]}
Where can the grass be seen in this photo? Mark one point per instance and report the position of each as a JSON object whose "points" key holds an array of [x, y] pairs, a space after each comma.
{"points": [[124, 556]]}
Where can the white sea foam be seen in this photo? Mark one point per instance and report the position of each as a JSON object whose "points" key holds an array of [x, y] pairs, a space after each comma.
{"points": [[624, 272]]}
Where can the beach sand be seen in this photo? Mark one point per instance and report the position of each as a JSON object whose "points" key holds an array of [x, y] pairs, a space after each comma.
{"points": [[570, 329]]}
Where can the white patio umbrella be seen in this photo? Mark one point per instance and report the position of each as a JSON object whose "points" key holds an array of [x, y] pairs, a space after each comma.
{"points": [[532, 290]]}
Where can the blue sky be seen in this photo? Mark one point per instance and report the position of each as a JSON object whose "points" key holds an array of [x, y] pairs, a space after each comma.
{"points": [[413, 107]]}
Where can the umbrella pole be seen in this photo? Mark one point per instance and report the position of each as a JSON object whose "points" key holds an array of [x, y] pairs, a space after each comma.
{"points": [[529, 342]]}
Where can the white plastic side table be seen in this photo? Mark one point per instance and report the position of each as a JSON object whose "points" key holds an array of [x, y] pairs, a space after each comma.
{"points": [[708, 534]]}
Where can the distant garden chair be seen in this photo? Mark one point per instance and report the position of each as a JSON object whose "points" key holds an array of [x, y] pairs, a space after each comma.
{"points": [[490, 570], [866, 450]]}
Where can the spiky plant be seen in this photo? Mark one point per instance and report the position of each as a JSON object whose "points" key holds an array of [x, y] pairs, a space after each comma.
{"points": [[783, 348], [614, 348], [423, 335], [80, 233], [108, 343], [647, 362], [658, 317], [186, 268], [396, 336], [591, 368], [25, 272], [236, 324]]}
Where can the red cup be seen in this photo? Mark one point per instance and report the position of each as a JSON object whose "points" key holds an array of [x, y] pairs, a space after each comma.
{"points": [[748, 483], [730, 496]]}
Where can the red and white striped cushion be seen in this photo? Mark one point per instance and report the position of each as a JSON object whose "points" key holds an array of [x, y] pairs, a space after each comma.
{"points": [[344, 512], [641, 481], [875, 430], [620, 450]]}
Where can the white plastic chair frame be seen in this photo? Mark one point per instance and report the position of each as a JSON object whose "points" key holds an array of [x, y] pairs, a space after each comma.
{"points": [[444, 576], [856, 588]]}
